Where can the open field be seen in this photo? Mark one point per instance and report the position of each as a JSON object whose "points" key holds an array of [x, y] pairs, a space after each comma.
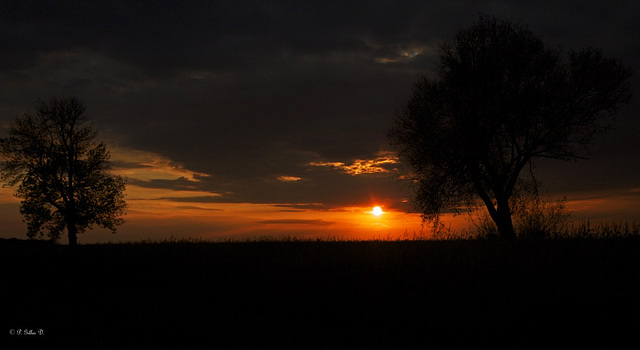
{"points": [[324, 295]]}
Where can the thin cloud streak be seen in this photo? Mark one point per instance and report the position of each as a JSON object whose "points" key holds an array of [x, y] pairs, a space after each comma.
{"points": [[316, 222]]}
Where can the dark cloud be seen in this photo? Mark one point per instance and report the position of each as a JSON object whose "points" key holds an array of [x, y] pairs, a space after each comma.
{"points": [[194, 207], [247, 91], [194, 199], [297, 222], [223, 35], [179, 184]]}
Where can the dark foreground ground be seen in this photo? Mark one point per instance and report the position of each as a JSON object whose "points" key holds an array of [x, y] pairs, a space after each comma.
{"points": [[324, 295]]}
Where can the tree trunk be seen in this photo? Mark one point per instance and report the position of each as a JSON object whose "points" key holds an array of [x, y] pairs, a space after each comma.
{"points": [[72, 230], [503, 220]]}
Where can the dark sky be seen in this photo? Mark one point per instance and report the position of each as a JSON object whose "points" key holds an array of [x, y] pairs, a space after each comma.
{"points": [[249, 95]]}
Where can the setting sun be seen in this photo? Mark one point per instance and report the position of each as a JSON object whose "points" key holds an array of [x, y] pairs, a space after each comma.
{"points": [[377, 211]]}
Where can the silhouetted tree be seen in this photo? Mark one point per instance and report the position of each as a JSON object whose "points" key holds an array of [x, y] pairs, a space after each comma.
{"points": [[61, 172], [501, 98]]}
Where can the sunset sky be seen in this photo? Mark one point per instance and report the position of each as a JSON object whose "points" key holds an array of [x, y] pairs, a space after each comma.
{"points": [[236, 119]]}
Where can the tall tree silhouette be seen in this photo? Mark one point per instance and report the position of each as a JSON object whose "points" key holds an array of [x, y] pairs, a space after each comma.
{"points": [[500, 99], [61, 172]]}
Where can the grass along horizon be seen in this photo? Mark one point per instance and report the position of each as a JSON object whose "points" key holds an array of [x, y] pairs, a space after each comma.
{"points": [[569, 230]]}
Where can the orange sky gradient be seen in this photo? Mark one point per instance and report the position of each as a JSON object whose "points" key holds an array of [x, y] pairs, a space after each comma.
{"points": [[151, 214]]}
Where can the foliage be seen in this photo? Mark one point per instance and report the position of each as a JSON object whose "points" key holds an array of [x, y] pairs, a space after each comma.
{"points": [[61, 172], [500, 99]]}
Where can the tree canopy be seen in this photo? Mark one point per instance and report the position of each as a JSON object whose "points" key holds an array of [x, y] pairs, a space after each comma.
{"points": [[61, 172], [499, 99]]}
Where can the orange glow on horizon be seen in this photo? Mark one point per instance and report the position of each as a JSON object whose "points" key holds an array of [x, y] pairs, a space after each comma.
{"points": [[157, 214], [155, 211], [184, 211]]}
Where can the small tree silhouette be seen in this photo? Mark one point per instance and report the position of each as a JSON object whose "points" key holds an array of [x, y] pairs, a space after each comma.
{"points": [[501, 99], [61, 172]]}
